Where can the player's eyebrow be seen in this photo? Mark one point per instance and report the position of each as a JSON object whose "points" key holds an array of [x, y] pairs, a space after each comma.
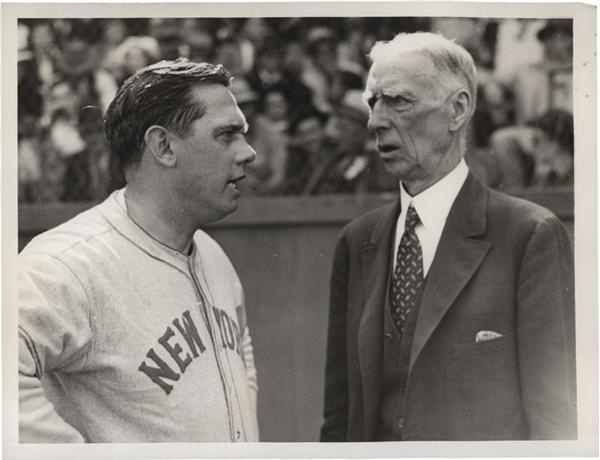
{"points": [[235, 126]]}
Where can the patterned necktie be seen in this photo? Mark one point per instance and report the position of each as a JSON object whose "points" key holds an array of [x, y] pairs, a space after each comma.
{"points": [[407, 279]]}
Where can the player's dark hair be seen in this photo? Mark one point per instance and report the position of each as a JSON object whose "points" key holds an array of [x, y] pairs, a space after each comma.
{"points": [[160, 94]]}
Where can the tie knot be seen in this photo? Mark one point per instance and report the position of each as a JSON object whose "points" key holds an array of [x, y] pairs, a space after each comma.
{"points": [[412, 219]]}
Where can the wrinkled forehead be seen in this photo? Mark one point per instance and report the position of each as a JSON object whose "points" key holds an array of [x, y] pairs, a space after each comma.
{"points": [[390, 73]]}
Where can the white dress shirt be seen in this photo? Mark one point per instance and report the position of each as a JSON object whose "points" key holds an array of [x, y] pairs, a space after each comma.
{"points": [[432, 206]]}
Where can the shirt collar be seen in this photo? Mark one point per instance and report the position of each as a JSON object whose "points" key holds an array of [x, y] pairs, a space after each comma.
{"points": [[433, 204], [114, 210]]}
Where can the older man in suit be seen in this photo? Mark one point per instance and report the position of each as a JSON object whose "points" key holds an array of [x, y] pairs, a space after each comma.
{"points": [[451, 314]]}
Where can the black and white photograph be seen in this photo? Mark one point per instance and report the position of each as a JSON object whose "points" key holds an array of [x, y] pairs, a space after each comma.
{"points": [[299, 229]]}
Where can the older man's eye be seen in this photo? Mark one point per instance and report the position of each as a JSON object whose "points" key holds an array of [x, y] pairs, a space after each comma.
{"points": [[398, 100], [371, 101]]}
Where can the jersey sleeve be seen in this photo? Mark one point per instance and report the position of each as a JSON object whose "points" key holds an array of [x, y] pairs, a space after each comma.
{"points": [[54, 336]]}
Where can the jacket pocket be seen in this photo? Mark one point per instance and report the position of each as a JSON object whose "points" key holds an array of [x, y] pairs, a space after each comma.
{"points": [[461, 350], [491, 359], [483, 395]]}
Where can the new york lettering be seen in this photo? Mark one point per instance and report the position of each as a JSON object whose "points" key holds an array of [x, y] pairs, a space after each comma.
{"points": [[161, 371], [228, 329]]}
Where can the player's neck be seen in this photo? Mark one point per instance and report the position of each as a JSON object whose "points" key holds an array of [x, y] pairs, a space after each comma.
{"points": [[157, 220]]}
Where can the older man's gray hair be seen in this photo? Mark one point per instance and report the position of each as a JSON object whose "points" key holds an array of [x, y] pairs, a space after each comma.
{"points": [[454, 63]]}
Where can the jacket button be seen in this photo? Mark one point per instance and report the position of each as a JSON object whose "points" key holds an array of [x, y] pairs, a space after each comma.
{"points": [[388, 337], [401, 423]]}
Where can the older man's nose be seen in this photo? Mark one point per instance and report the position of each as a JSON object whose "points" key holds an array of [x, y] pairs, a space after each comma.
{"points": [[378, 119]]}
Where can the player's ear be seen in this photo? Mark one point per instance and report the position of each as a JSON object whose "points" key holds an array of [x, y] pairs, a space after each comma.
{"points": [[158, 143], [461, 109]]}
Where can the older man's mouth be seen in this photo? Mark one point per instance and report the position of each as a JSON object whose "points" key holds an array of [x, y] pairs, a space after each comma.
{"points": [[386, 151]]}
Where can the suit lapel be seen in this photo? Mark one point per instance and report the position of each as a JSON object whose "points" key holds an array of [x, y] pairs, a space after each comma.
{"points": [[375, 261], [457, 257]]}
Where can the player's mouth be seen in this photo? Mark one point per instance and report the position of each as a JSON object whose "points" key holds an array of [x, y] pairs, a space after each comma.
{"points": [[233, 182]]}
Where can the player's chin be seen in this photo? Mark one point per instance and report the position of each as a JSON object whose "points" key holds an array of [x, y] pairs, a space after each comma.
{"points": [[230, 202]]}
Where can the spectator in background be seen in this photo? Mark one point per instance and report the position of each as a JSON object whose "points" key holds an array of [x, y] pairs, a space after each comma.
{"points": [[75, 155], [267, 173], [275, 108], [493, 111], [65, 161], [46, 51], [541, 91], [133, 54], [352, 166], [253, 35], [321, 65], [167, 32], [29, 160], [547, 84], [46, 149], [540, 154], [137, 57], [114, 32], [516, 45], [466, 32], [86, 154], [197, 39], [353, 49], [268, 69], [271, 70], [29, 109], [553, 150], [307, 149], [29, 83], [79, 63], [229, 54], [345, 79]]}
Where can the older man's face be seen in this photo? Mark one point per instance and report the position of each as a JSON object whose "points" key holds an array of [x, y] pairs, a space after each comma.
{"points": [[410, 113]]}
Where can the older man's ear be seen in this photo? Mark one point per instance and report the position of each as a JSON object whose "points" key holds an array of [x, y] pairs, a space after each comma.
{"points": [[461, 110]]}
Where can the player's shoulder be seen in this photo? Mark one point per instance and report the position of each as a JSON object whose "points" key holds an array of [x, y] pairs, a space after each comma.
{"points": [[208, 248], [58, 241]]}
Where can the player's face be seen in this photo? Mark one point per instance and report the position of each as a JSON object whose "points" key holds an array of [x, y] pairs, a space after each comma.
{"points": [[212, 157], [409, 115]]}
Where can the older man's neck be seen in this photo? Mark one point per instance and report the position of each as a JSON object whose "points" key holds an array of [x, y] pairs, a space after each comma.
{"points": [[158, 219], [419, 185]]}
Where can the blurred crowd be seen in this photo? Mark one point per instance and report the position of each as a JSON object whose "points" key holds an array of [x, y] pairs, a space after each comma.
{"points": [[299, 83]]}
